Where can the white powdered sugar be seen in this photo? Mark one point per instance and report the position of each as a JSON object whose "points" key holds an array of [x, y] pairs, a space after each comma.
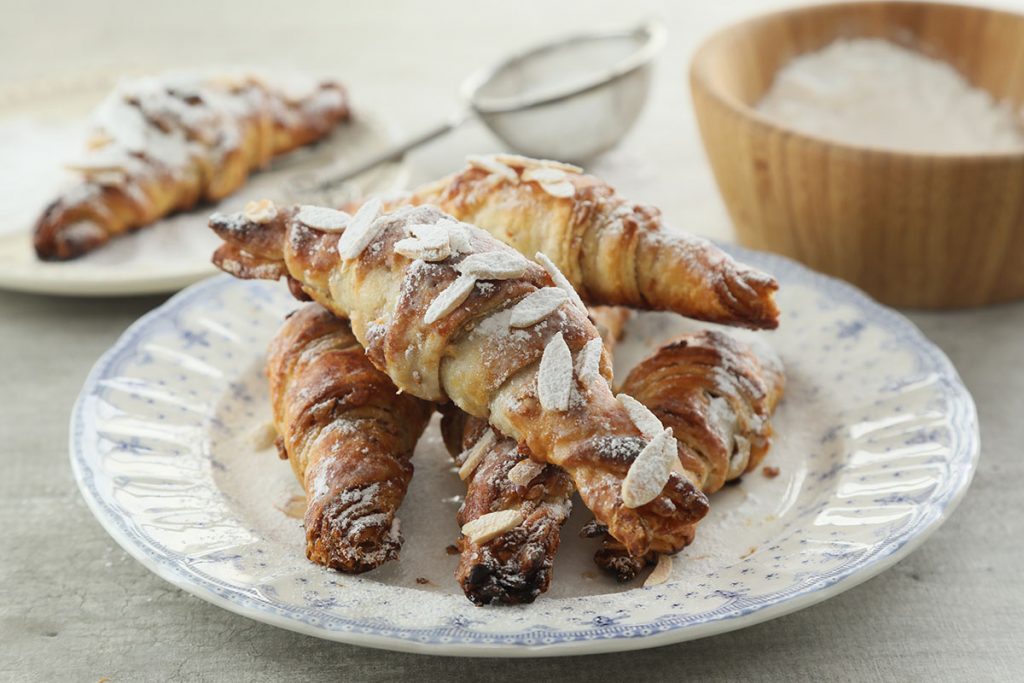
{"points": [[451, 298], [476, 454], [362, 229], [661, 571], [560, 280], [491, 525], [494, 265], [868, 91], [459, 236], [525, 471], [554, 376], [536, 306], [322, 218], [588, 364], [650, 471], [646, 421], [260, 212]]}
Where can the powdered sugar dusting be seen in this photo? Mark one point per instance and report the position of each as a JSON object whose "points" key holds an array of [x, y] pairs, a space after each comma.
{"points": [[554, 377], [260, 212], [537, 306], [650, 471]]}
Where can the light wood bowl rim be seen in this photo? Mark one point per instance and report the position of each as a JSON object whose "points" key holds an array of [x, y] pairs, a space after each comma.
{"points": [[700, 79]]}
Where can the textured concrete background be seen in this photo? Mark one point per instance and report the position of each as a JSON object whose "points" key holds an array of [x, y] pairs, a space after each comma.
{"points": [[74, 606]]}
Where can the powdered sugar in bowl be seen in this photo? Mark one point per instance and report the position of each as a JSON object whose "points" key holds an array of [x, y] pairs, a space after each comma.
{"points": [[879, 142]]}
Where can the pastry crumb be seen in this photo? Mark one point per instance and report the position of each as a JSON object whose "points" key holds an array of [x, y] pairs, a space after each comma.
{"points": [[452, 549], [422, 581], [770, 471]]}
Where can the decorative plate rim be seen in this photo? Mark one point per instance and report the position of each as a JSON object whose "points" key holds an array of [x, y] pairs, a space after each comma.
{"points": [[964, 451]]}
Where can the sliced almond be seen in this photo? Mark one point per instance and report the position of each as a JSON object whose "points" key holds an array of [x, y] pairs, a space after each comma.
{"points": [[476, 454], [588, 361], [560, 279], [450, 298], [413, 248], [322, 218], [544, 174], [494, 265], [661, 571], [260, 212], [650, 471], [562, 190], [536, 306], [361, 230], [554, 376], [491, 525], [525, 471], [646, 421], [519, 161], [493, 166]]}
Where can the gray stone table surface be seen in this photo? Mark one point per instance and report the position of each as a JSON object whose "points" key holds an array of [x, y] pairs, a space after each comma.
{"points": [[75, 607]]}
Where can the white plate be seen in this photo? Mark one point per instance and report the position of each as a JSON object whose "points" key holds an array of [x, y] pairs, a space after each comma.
{"points": [[40, 130], [877, 442]]}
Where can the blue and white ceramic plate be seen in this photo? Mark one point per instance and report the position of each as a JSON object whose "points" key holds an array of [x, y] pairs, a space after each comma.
{"points": [[877, 440]]}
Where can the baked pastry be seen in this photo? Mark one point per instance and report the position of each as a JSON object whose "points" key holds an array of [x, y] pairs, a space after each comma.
{"points": [[451, 313], [613, 251], [348, 436], [164, 144], [515, 566], [717, 394]]}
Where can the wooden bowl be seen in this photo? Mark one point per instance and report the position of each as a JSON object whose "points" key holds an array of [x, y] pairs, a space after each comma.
{"points": [[919, 230]]}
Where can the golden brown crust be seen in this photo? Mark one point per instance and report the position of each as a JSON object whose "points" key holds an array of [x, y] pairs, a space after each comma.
{"points": [[473, 357], [210, 135], [614, 252], [348, 436], [516, 566]]}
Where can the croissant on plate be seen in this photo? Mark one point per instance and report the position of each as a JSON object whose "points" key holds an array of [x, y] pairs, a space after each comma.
{"points": [[515, 566], [164, 144], [717, 394], [449, 312], [613, 251], [348, 435]]}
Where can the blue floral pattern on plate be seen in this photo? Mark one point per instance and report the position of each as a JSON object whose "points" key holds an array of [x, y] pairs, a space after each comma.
{"points": [[877, 440]]}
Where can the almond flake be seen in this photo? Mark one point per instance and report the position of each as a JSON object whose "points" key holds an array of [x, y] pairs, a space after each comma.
{"points": [[459, 235], [562, 190], [646, 421], [494, 265], [588, 362], [525, 471], [323, 219], [554, 377], [537, 306], [493, 166], [476, 454], [260, 212], [361, 230], [559, 279], [519, 161], [450, 299], [661, 572], [413, 248], [491, 525], [543, 174], [650, 471]]}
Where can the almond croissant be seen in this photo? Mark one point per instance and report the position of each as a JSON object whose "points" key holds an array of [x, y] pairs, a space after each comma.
{"points": [[613, 251], [449, 312], [164, 144], [348, 436]]}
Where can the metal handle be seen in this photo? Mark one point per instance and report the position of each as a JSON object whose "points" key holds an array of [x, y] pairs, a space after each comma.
{"points": [[394, 153]]}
